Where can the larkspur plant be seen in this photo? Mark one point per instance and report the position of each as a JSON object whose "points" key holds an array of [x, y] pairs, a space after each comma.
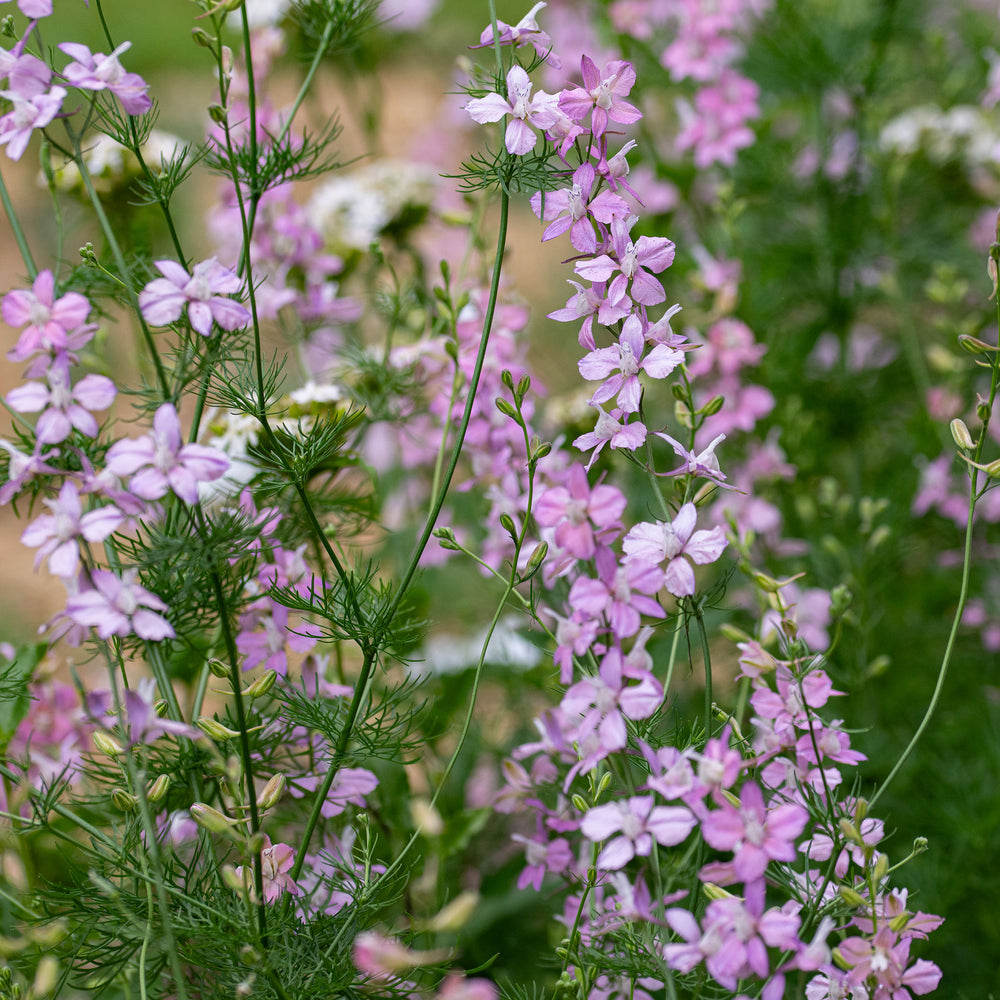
{"points": [[257, 775]]}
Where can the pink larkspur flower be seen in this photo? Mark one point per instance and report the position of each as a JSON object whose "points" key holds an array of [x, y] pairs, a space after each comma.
{"points": [[275, 861], [119, 606], [205, 293], [523, 109], [97, 71], [159, 462], [49, 323], [657, 541]]}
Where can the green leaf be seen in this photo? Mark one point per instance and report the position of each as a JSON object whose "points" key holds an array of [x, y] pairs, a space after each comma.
{"points": [[14, 679]]}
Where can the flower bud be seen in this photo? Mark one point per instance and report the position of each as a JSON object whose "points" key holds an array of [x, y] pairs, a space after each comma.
{"points": [[579, 802], [108, 746], [124, 801], [211, 819], [507, 408], [973, 345], [713, 406], [850, 831], [454, 915], [426, 818], [249, 955], [898, 923], [217, 113], [960, 434], [446, 539], [713, 891], [262, 685], [157, 791], [602, 785], [46, 977], [233, 879], [203, 38], [851, 896], [272, 791], [881, 867], [523, 385], [218, 668], [507, 523], [539, 449], [535, 561], [214, 729]]}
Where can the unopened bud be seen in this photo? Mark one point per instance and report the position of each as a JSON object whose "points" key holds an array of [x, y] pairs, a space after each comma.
{"points": [[214, 729], [506, 407], [919, 845], [713, 406], [507, 523], [272, 791], [211, 819], [446, 539], [454, 915], [157, 791], [426, 818], [217, 113], [227, 61], [973, 345], [733, 633], [124, 801], [46, 977], [262, 685], [507, 379], [602, 785], [7, 27], [539, 449], [535, 560], [860, 811], [218, 668], [960, 434], [579, 802], [851, 896], [840, 961], [203, 38], [850, 831], [992, 469], [232, 878], [898, 923], [983, 410], [880, 868], [713, 891], [766, 583], [108, 746], [14, 871], [523, 385]]}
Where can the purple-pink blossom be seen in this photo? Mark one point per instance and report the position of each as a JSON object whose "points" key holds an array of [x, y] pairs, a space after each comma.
{"points": [[757, 835], [658, 541], [204, 292], [50, 324], [276, 860], [63, 406], [56, 535], [97, 71], [118, 605], [540, 111], [160, 462], [637, 823], [602, 97]]}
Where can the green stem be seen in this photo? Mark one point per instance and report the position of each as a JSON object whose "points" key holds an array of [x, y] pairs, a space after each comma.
{"points": [[15, 225], [963, 590], [123, 269]]}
